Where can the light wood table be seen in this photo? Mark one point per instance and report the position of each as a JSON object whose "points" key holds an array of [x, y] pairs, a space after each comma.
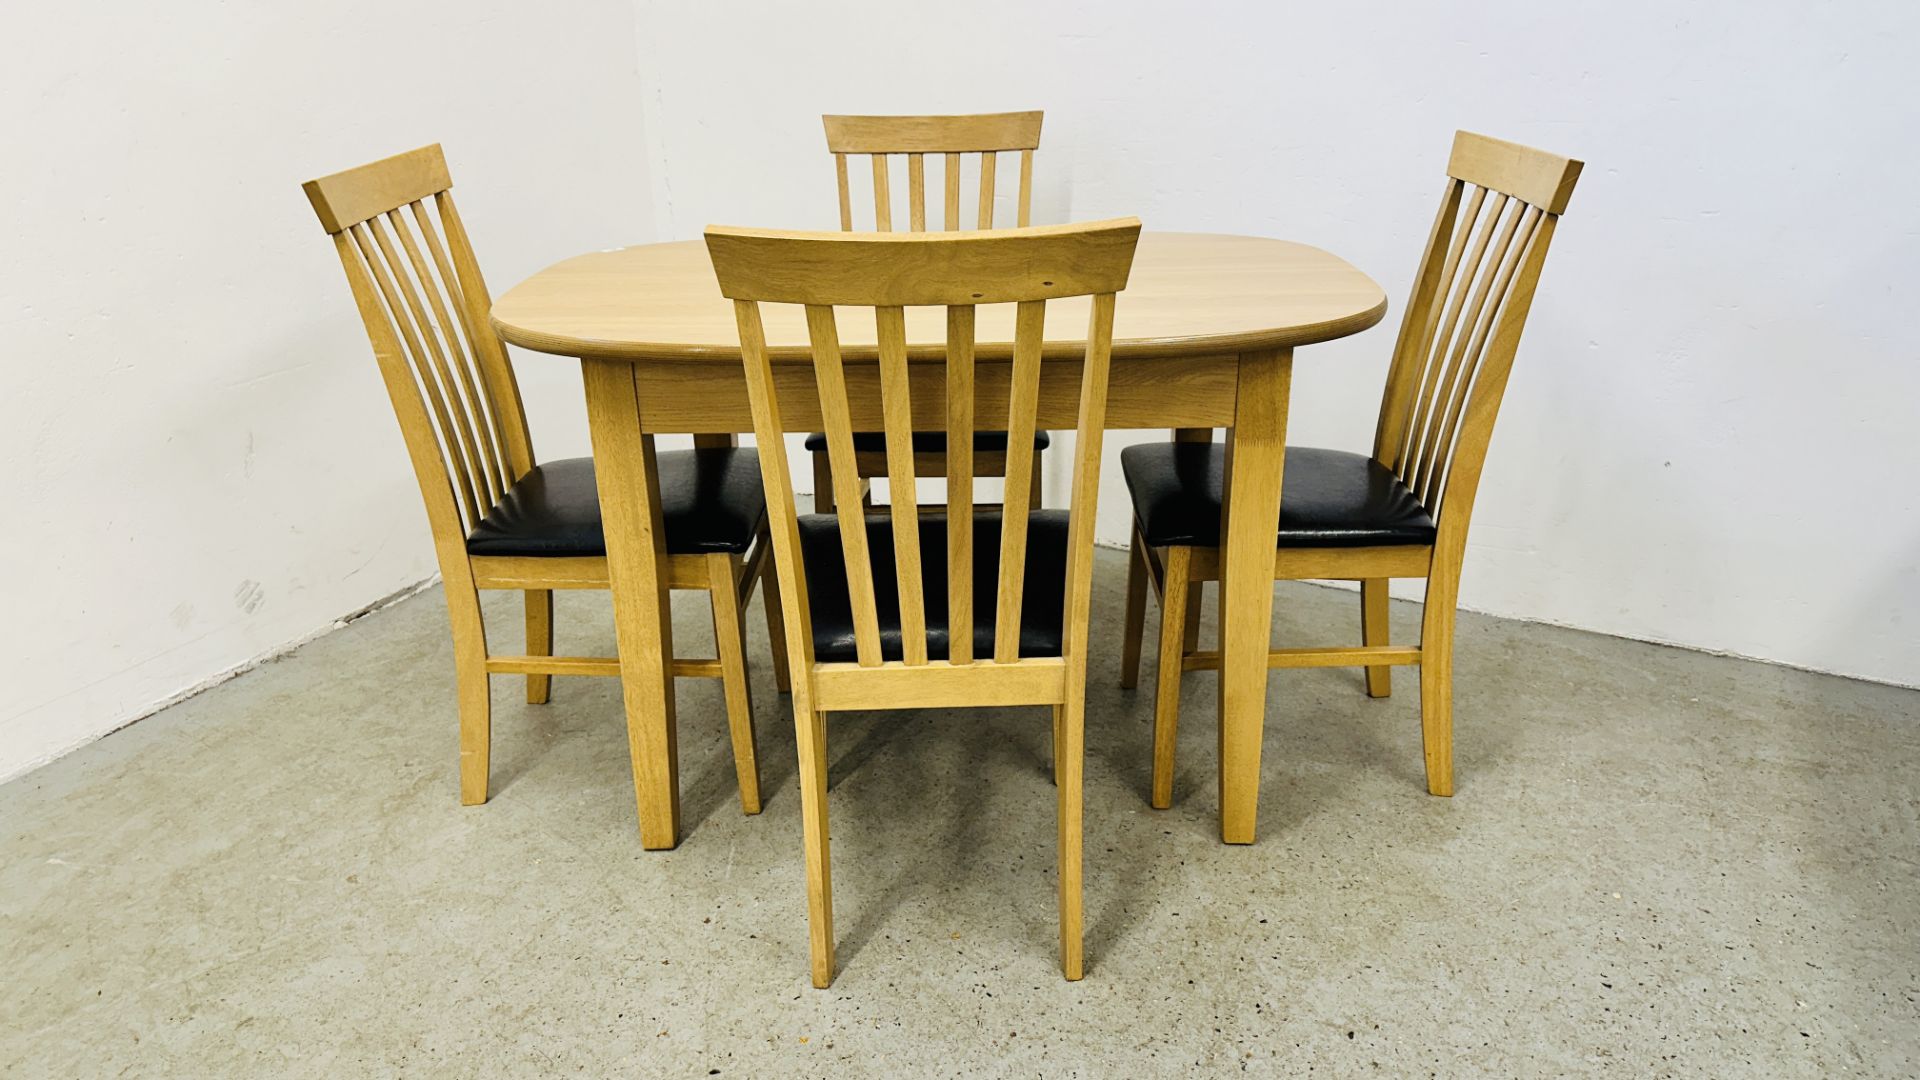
{"points": [[1203, 338]]}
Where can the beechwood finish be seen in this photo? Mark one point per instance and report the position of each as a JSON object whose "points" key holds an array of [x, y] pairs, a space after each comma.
{"points": [[951, 138], [927, 657], [1405, 512], [425, 307]]}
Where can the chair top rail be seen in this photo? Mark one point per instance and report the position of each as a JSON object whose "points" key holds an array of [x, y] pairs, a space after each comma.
{"points": [[354, 195], [1533, 176], [963, 268], [968, 134]]}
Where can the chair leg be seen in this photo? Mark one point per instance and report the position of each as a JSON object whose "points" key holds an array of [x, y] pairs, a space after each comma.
{"points": [[776, 624], [811, 729], [470, 674], [539, 641], [822, 483], [1190, 629], [1436, 685], [1056, 743], [1166, 687], [1136, 622], [730, 640], [1374, 631], [1067, 767]]}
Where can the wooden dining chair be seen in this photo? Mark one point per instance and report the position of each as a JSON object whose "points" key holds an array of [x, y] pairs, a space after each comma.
{"points": [[870, 622], [914, 137], [499, 520], [1404, 510]]}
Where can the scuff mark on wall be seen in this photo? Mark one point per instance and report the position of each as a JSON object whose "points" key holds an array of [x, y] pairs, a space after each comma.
{"points": [[248, 596]]}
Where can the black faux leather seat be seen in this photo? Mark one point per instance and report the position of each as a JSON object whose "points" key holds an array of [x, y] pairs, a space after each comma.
{"points": [[1328, 498], [927, 442], [1043, 588], [711, 500]]}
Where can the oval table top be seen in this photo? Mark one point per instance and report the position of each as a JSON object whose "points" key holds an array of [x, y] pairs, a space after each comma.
{"points": [[1189, 294]]}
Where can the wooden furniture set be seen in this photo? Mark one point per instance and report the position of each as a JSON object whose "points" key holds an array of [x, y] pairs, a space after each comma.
{"points": [[940, 355]]}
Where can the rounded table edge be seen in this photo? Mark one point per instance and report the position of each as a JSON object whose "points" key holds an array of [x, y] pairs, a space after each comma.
{"points": [[1199, 345]]}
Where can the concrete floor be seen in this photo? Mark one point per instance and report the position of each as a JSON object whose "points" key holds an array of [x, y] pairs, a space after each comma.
{"points": [[1658, 864]]}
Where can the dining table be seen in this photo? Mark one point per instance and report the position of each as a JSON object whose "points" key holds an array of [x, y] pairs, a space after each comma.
{"points": [[1203, 339]]}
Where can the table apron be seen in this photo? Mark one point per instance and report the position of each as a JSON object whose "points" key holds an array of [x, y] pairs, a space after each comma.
{"points": [[704, 397]]}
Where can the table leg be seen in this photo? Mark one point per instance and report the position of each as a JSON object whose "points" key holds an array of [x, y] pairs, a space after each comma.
{"points": [[1250, 514], [629, 480]]}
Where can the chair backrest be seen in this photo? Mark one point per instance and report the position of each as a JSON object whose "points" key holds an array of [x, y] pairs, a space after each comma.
{"points": [[986, 134], [1470, 302], [957, 271], [425, 306]]}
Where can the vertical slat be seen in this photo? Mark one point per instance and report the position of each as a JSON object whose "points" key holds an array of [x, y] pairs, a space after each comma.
{"points": [[1396, 400], [1022, 406], [496, 428], [396, 312], [1088, 434], [846, 192], [882, 196], [1469, 335], [460, 438], [473, 412], [429, 465], [1026, 188], [1456, 293], [783, 515], [953, 192], [987, 171], [1456, 400], [890, 325], [960, 330], [831, 381], [1423, 353], [1482, 406], [502, 388], [917, 192]]}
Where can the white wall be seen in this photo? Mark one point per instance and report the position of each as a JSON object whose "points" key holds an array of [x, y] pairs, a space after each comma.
{"points": [[1706, 441], [202, 464], [1710, 433]]}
